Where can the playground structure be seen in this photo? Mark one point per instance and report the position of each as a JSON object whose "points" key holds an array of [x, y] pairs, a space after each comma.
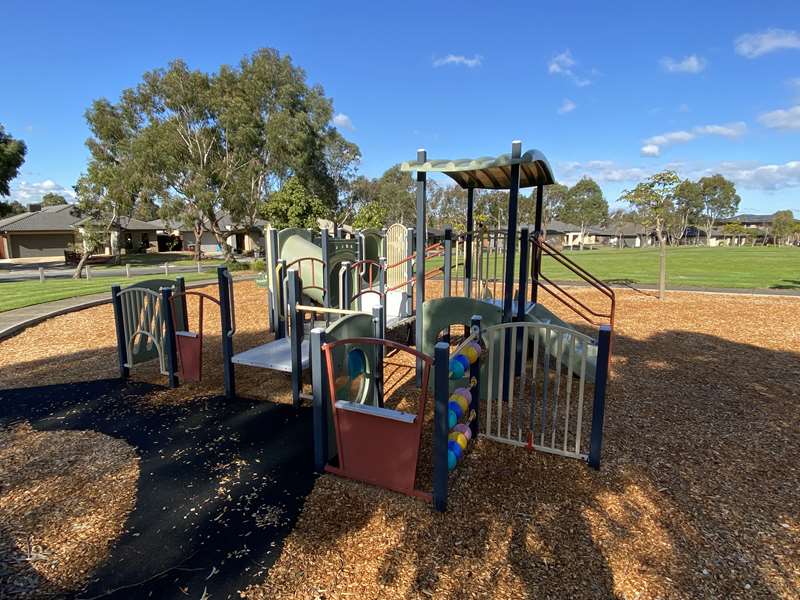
{"points": [[519, 375]]}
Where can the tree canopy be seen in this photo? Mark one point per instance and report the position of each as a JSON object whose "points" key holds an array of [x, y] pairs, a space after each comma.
{"points": [[584, 205], [53, 199], [12, 155], [294, 206], [203, 146], [719, 201]]}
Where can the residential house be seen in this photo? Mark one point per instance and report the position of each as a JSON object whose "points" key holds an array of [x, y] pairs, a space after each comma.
{"points": [[40, 233], [51, 231], [242, 243]]}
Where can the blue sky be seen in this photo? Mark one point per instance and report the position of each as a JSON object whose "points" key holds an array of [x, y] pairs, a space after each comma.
{"points": [[611, 90]]}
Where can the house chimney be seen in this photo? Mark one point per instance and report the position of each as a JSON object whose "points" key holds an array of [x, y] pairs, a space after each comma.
{"points": [[34, 207]]}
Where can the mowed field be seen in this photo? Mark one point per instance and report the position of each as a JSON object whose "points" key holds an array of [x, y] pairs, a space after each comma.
{"points": [[745, 268]]}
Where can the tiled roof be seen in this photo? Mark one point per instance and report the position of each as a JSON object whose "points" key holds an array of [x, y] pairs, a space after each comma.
{"points": [[50, 218]]}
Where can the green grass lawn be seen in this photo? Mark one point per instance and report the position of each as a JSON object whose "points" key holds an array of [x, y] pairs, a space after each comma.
{"points": [[746, 267], [26, 293], [155, 260]]}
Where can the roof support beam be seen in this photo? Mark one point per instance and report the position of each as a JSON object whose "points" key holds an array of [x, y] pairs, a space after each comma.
{"points": [[421, 242], [511, 236]]}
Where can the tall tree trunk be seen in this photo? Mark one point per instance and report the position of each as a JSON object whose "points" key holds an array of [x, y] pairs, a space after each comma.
{"points": [[198, 236], [79, 269], [662, 267]]}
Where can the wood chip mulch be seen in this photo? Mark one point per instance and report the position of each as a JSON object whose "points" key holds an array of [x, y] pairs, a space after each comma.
{"points": [[698, 497], [64, 498]]}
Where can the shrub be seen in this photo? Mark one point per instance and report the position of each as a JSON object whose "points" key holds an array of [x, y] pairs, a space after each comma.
{"points": [[258, 265], [237, 266]]}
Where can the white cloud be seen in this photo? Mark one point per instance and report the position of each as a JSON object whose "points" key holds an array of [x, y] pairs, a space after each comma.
{"points": [[745, 174], [731, 130], [651, 150], [652, 145], [459, 59], [567, 106], [786, 118], [563, 64], [26, 192], [689, 64], [753, 45], [342, 121], [683, 108]]}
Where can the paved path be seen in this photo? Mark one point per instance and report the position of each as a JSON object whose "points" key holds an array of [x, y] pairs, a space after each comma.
{"points": [[14, 321]]}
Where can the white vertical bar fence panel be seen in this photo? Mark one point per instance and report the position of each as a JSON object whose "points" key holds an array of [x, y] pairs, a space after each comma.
{"points": [[522, 381], [546, 402], [512, 362], [579, 425], [556, 388], [396, 250], [490, 338], [571, 356]]}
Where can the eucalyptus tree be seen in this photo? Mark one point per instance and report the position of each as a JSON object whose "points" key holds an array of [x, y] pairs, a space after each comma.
{"points": [[654, 201], [720, 201], [12, 155], [113, 180], [688, 206], [584, 205], [223, 142]]}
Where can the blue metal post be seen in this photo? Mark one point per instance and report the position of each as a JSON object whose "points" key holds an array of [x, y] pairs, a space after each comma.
{"points": [[513, 199], [538, 234], [272, 296], [280, 304], [468, 253], [293, 291], [380, 333], [599, 406], [448, 261], [122, 343], [169, 340], [422, 241], [225, 311], [441, 425]]}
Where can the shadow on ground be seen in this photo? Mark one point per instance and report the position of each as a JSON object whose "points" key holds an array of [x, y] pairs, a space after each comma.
{"points": [[221, 483]]}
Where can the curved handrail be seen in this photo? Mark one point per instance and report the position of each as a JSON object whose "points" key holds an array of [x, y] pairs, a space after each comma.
{"points": [[541, 246]]}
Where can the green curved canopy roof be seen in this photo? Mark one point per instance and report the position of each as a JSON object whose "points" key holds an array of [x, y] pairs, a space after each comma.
{"points": [[489, 172]]}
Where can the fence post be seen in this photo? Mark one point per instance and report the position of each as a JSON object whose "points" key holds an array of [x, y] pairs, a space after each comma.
{"points": [[319, 392], [448, 260], [170, 350], [280, 299], [293, 291], [225, 304], [346, 284], [599, 405], [41, 274], [410, 271], [378, 325], [122, 351], [476, 324], [441, 425], [199, 270], [326, 273], [88, 272], [127, 270], [272, 295], [166, 269], [183, 315], [468, 250], [422, 241]]}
